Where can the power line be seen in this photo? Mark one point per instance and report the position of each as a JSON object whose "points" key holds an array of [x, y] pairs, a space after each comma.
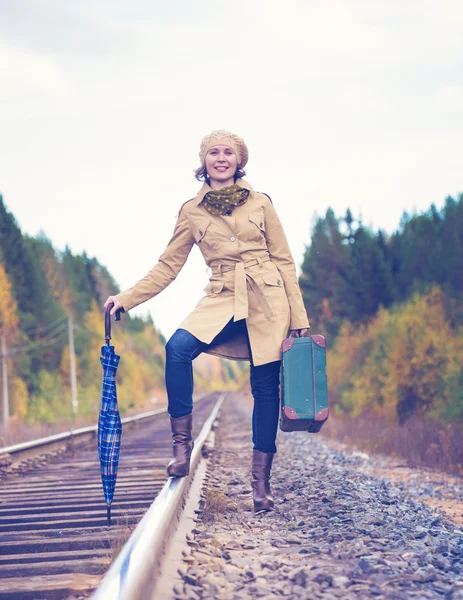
{"points": [[43, 342], [50, 326], [52, 339], [51, 332], [57, 331]]}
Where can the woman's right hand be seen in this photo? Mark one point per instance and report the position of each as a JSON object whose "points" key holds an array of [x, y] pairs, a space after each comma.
{"points": [[117, 304]]}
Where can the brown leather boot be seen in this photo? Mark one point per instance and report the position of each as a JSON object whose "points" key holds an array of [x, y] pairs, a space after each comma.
{"points": [[182, 444], [261, 466]]}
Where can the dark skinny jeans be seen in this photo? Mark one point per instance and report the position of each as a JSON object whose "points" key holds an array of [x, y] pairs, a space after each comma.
{"points": [[183, 347]]}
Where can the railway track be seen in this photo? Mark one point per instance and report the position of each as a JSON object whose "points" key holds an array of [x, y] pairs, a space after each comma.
{"points": [[54, 538]]}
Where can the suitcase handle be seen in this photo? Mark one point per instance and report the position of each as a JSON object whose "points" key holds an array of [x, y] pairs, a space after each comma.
{"points": [[306, 334]]}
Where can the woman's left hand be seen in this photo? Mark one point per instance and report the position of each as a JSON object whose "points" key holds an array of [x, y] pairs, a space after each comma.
{"points": [[297, 332]]}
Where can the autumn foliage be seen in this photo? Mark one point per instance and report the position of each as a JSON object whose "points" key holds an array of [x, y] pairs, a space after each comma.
{"points": [[405, 362], [40, 288], [391, 307]]}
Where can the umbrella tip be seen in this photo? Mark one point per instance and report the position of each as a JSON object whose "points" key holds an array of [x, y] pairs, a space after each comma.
{"points": [[108, 514]]}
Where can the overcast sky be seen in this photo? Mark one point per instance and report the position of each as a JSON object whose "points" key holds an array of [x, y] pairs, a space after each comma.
{"points": [[103, 104]]}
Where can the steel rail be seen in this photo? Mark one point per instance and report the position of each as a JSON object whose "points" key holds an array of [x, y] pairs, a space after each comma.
{"points": [[31, 448], [133, 573], [54, 538]]}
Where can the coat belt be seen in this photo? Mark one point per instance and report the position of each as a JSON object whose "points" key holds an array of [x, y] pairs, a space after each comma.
{"points": [[242, 281]]}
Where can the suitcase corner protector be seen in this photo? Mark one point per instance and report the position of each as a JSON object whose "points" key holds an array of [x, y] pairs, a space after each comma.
{"points": [[322, 415], [320, 340], [290, 414], [287, 344]]}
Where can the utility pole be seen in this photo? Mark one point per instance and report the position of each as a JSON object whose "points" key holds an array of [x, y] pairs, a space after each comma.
{"points": [[72, 358], [6, 402]]}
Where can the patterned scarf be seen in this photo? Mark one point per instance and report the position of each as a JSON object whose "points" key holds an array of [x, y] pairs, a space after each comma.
{"points": [[222, 202]]}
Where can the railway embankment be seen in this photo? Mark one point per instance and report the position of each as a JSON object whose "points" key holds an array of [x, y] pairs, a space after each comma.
{"points": [[345, 525]]}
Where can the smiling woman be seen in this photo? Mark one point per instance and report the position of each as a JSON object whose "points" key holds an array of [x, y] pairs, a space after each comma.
{"points": [[221, 163], [252, 301], [201, 173]]}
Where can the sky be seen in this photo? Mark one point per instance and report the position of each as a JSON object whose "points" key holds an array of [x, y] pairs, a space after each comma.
{"points": [[342, 103]]}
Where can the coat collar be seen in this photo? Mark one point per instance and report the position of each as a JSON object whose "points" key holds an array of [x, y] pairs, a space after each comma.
{"points": [[206, 188]]}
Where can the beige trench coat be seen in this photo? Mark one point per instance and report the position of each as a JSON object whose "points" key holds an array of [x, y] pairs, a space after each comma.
{"points": [[253, 276]]}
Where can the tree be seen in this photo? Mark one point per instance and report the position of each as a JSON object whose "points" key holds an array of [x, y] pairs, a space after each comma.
{"points": [[323, 277], [404, 362], [451, 244], [9, 325], [9, 320], [369, 279]]}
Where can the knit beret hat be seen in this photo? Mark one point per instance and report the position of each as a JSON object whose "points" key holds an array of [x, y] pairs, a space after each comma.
{"points": [[224, 138]]}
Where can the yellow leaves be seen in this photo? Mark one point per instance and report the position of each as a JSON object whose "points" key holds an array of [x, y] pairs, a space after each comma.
{"points": [[52, 403], [8, 309], [140, 377], [94, 321], [135, 381], [141, 369], [420, 352], [400, 364], [19, 397]]}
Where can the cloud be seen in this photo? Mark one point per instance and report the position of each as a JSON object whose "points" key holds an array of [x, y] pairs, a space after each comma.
{"points": [[343, 103], [61, 28], [24, 75], [451, 97]]}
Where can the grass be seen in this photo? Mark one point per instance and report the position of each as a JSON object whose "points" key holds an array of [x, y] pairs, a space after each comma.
{"points": [[420, 442], [215, 505], [124, 530]]}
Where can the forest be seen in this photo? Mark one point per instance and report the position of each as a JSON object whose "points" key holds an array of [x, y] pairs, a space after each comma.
{"points": [[391, 307], [42, 290]]}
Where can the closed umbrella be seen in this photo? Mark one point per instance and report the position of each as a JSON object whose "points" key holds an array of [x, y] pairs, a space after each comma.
{"points": [[109, 420]]}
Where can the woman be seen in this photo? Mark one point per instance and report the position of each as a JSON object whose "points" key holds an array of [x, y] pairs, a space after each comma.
{"points": [[252, 300]]}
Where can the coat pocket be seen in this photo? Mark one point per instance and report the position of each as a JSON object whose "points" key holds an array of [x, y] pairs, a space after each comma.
{"points": [[201, 229], [273, 279], [258, 220], [275, 293], [213, 288]]}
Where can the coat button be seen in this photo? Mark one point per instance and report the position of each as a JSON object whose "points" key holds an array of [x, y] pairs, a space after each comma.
{"points": [[233, 238], [261, 225], [279, 281], [200, 232]]}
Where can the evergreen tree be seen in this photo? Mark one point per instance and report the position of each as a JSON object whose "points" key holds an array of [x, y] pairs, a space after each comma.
{"points": [[22, 265], [428, 249], [349, 220], [369, 280], [15, 258], [323, 277], [451, 246], [81, 281]]}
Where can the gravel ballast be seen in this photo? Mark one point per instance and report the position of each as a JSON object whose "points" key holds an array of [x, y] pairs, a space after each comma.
{"points": [[336, 531]]}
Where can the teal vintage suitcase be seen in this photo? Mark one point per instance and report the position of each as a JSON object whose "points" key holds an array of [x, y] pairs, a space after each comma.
{"points": [[303, 385]]}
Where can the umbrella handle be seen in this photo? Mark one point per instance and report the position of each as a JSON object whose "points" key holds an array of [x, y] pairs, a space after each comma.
{"points": [[107, 321]]}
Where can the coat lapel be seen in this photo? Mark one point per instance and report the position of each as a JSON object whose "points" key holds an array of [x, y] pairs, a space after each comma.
{"points": [[229, 221]]}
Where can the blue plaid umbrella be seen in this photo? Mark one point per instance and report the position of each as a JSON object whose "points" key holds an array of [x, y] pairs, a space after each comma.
{"points": [[109, 420]]}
